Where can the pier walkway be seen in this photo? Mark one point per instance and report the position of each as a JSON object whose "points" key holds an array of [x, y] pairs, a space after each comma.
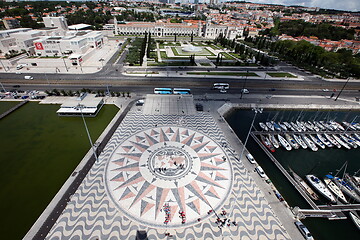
{"points": [[286, 174], [13, 109]]}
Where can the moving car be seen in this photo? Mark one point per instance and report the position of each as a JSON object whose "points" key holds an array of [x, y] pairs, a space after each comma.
{"points": [[244, 90], [28, 77]]}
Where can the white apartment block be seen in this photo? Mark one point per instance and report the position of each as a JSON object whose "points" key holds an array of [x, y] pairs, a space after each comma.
{"points": [[58, 22], [75, 42]]}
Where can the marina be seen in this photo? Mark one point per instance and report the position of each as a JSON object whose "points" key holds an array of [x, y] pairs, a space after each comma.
{"points": [[334, 211]]}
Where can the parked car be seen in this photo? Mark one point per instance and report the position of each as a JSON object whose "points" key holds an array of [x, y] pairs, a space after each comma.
{"points": [[250, 158], [260, 171], [304, 231]]}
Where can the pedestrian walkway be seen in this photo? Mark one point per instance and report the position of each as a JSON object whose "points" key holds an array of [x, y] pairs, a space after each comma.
{"points": [[168, 174]]}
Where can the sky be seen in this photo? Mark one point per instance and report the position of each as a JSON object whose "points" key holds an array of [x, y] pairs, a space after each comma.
{"points": [[349, 5]]}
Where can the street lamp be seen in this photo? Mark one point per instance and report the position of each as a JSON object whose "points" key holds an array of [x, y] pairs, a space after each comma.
{"points": [[243, 89], [62, 57], [342, 89], [256, 110], [2, 86], [102, 62], [79, 106]]}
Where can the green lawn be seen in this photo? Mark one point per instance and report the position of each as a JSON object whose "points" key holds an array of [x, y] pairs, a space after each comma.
{"points": [[281, 74], [249, 74], [205, 64], [163, 54], [39, 151], [178, 63], [5, 105]]}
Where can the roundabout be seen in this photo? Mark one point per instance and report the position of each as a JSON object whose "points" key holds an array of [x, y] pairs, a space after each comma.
{"points": [[168, 176]]}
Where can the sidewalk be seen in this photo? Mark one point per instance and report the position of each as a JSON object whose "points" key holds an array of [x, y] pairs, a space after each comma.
{"points": [[62, 66], [148, 73]]}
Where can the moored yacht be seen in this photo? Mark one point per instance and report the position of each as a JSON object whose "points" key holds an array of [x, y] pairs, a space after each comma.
{"points": [[332, 140], [304, 185], [267, 143], [357, 142], [334, 189], [341, 142], [346, 188], [336, 125], [263, 126], [308, 126], [317, 141], [355, 218], [349, 141], [310, 143], [288, 125], [320, 187], [349, 126], [273, 140], [284, 143], [270, 126], [276, 126], [301, 125], [319, 125], [292, 141], [353, 183], [300, 141], [283, 126], [324, 140], [296, 127]]}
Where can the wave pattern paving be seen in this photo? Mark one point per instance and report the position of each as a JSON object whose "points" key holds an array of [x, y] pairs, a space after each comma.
{"points": [[92, 214]]}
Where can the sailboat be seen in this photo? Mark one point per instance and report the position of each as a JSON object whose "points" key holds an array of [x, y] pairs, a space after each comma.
{"points": [[317, 141], [324, 140], [341, 142], [273, 140], [355, 218], [267, 143], [284, 143], [332, 140], [310, 143], [263, 126], [304, 185], [292, 142], [320, 187], [300, 141], [334, 189], [346, 188]]}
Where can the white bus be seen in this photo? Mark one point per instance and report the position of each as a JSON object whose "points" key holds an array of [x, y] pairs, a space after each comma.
{"points": [[181, 91], [221, 86]]}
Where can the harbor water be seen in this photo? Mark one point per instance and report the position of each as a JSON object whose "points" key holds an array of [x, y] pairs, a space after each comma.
{"points": [[303, 161]]}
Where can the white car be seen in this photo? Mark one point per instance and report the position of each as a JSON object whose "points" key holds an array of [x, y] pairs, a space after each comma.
{"points": [[223, 90], [244, 90], [304, 231], [250, 158]]}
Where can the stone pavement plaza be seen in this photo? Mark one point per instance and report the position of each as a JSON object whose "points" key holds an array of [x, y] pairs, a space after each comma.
{"points": [[168, 170]]}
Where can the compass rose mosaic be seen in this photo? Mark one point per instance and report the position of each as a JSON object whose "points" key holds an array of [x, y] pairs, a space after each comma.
{"points": [[168, 175]]}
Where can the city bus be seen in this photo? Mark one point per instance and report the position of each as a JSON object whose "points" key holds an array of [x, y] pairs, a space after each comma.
{"points": [[181, 91], [221, 86], [163, 91]]}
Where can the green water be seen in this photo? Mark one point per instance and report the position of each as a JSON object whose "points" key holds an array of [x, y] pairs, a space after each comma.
{"points": [[39, 150], [4, 106], [302, 162]]}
